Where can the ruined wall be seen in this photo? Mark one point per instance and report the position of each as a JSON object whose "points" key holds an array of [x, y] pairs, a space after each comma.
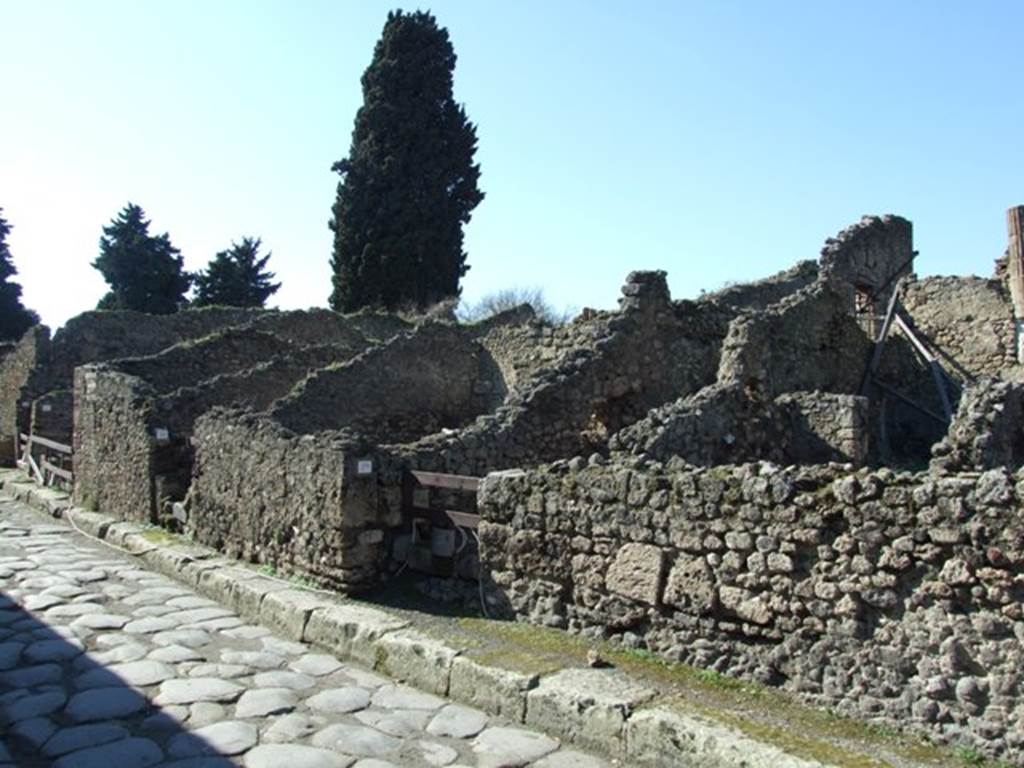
{"points": [[155, 471], [968, 321], [309, 514], [415, 384], [722, 424], [880, 594], [111, 441], [808, 341], [622, 365], [987, 430], [864, 262], [761, 294], [15, 370], [195, 361]]}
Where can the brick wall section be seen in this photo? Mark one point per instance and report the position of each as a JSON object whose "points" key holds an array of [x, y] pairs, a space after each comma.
{"points": [[264, 494], [880, 594]]}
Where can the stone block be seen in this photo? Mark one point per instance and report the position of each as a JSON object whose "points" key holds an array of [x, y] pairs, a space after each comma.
{"points": [[288, 610], [637, 572], [499, 691], [586, 707], [663, 738], [91, 523], [350, 631], [690, 585], [417, 659]]}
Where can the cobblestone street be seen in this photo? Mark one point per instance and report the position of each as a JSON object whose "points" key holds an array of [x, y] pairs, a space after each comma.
{"points": [[104, 663]]}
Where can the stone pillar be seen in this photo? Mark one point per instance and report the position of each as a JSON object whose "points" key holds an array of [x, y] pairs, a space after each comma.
{"points": [[1015, 267]]}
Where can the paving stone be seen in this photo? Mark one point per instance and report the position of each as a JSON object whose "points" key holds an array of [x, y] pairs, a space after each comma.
{"points": [[566, 758], [105, 704], [33, 732], [149, 625], [33, 705], [136, 673], [373, 762], [116, 655], [190, 638], [52, 650], [255, 659], [81, 737], [283, 679], [30, 677], [283, 647], [292, 727], [185, 602], [71, 610], [41, 602], [175, 654], [294, 756], [215, 625], [400, 723], [356, 740], [288, 610], [457, 722], [228, 738], [167, 719], [9, 654], [201, 762], [351, 631], [405, 697], [362, 678], [153, 611], [198, 689], [129, 753], [315, 664], [436, 754], [246, 632], [101, 621], [339, 700], [193, 615], [204, 713], [224, 671], [260, 702], [418, 659], [511, 747]]}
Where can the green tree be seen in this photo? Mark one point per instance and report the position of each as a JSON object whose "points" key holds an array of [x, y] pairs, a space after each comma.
{"points": [[145, 272], [235, 277], [14, 318], [409, 183]]}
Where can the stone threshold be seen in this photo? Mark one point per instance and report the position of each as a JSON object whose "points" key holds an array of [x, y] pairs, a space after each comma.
{"points": [[604, 710]]}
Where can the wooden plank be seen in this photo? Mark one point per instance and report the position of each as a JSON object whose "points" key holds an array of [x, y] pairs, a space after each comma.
{"points": [[447, 516], [455, 482], [35, 469], [51, 444], [876, 357], [940, 385], [58, 471], [920, 346]]}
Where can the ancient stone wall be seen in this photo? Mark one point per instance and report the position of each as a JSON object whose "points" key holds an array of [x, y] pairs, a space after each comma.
{"points": [[761, 294], [968, 321], [309, 514], [111, 441], [864, 262], [987, 430], [722, 424], [879, 594], [417, 383], [16, 368], [808, 341], [156, 469]]}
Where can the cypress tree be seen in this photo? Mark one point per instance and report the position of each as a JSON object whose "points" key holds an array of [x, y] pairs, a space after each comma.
{"points": [[409, 183], [15, 319], [145, 272], [236, 278]]}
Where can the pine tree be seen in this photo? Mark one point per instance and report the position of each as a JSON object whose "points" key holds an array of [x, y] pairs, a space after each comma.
{"points": [[145, 272], [14, 318], [235, 277], [409, 183]]}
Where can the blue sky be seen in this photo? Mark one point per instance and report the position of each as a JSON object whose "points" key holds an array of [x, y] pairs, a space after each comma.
{"points": [[719, 141]]}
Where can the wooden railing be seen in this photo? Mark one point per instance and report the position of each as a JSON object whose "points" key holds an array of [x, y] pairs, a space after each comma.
{"points": [[46, 461]]}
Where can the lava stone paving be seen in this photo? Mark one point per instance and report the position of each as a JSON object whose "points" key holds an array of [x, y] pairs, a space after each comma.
{"points": [[106, 664]]}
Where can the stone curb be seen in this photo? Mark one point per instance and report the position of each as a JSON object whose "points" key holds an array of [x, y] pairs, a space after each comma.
{"points": [[595, 709]]}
